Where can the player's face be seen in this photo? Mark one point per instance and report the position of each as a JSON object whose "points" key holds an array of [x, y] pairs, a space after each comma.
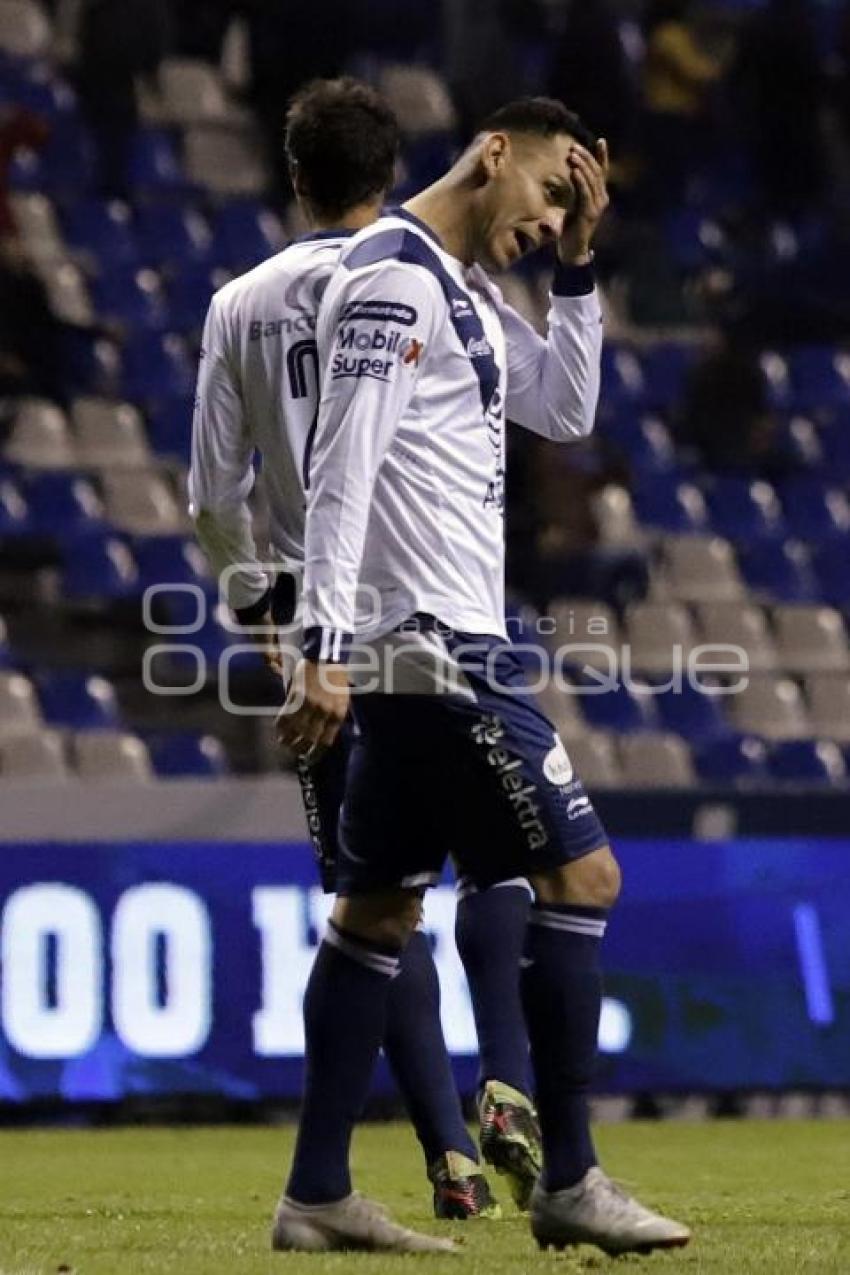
{"points": [[528, 193]]}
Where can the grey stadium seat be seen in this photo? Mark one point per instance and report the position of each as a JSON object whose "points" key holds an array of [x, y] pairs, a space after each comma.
{"points": [[563, 709], [419, 99], [583, 625], [20, 713], [110, 435], [655, 760], [772, 707], [228, 161], [654, 631], [828, 697], [37, 756], [36, 221], [67, 291], [699, 569], [739, 624], [142, 502], [594, 758], [111, 754], [615, 517], [811, 639], [25, 29], [41, 437]]}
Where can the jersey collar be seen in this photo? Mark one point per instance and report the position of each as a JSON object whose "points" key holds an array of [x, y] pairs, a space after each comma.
{"points": [[418, 222], [316, 235]]}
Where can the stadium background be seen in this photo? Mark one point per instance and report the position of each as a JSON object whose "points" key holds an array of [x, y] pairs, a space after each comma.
{"points": [[157, 911]]}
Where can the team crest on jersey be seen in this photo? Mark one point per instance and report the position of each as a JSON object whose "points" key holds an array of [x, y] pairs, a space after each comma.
{"points": [[557, 766]]}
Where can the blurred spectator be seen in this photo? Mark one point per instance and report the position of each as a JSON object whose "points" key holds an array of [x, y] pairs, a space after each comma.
{"points": [[488, 48], [678, 75], [118, 40], [590, 72], [200, 27], [783, 94], [725, 413], [29, 333], [292, 43], [18, 127]]}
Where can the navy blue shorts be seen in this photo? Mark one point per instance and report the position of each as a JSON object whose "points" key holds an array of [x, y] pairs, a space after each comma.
{"points": [[481, 776]]}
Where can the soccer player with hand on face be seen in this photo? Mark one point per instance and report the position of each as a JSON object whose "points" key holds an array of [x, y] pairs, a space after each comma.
{"points": [[258, 388], [422, 363]]}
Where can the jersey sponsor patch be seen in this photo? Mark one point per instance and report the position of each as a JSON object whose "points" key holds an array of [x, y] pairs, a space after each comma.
{"points": [[375, 311], [372, 354], [557, 766]]}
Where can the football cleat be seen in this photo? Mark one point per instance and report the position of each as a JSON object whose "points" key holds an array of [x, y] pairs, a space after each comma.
{"points": [[597, 1211], [461, 1189], [351, 1223], [510, 1139]]}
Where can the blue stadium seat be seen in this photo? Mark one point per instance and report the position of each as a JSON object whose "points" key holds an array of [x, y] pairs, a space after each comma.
{"points": [[77, 700], [830, 562], [733, 759], [15, 520], [63, 503], [665, 370], [693, 714], [808, 761], [91, 364], [99, 566], [171, 559], [643, 440], [622, 377], [245, 233], [170, 426], [670, 506], [103, 229], [835, 445], [819, 378], [813, 510], [180, 754], [132, 298], [189, 294], [154, 164], [41, 91], [169, 233], [779, 569], [157, 366], [619, 709], [742, 509], [693, 240], [64, 167]]}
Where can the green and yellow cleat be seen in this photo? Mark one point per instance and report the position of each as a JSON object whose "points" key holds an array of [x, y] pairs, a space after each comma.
{"points": [[461, 1189], [510, 1139]]}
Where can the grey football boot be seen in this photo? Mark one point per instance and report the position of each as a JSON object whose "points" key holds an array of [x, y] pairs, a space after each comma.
{"points": [[597, 1211], [352, 1223]]}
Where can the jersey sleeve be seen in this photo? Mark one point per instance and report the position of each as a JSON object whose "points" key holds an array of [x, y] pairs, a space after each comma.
{"points": [[553, 384], [221, 475], [374, 333]]}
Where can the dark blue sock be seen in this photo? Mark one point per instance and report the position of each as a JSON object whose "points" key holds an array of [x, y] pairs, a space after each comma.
{"points": [[490, 935], [345, 1009], [416, 1051], [562, 994]]}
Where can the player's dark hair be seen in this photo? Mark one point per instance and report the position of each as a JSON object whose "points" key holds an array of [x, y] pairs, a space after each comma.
{"points": [[539, 117], [343, 139]]}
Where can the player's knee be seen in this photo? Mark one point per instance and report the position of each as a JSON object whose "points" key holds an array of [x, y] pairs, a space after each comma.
{"points": [[388, 918], [592, 881]]}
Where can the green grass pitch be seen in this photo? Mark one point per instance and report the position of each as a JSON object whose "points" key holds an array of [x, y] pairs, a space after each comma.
{"points": [[772, 1198]]}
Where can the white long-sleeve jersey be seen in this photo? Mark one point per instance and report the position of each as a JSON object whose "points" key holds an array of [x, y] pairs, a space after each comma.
{"points": [[258, 389], [422, 362]]}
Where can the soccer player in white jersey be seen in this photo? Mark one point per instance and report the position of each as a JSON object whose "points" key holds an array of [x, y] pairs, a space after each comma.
{"points": [[422, 362], [258, 387]]}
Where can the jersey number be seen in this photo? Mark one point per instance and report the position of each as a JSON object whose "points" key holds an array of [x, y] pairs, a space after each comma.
{"points": [[302, 359]]}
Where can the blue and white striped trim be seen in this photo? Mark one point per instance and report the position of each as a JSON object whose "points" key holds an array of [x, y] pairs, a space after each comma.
{"points": [[419, 879], [573, 922], [379, 962], [326, 646]]}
